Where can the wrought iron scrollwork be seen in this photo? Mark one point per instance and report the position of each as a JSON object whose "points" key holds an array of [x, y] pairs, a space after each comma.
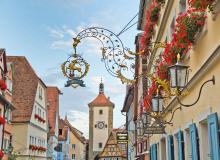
{"points": [[119, 61]]}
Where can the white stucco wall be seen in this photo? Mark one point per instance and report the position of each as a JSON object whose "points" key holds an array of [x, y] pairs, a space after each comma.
{"points": [[100, 135]]}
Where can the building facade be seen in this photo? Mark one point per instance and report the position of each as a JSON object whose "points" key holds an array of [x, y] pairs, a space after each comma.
{"points": [[112, 149], [128, 108], [29, 119], [64, 141], [77, 148], [194, 130], [53, 94], [6, 105], [100, 122]]}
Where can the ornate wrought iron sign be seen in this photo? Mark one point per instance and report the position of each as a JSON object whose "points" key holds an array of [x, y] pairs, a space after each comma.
{"points": [[75, 68]]}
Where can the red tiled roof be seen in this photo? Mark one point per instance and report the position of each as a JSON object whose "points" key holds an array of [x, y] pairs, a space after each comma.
{"points": [[53, 107], [75, 131], [101, 100], [25, 82]]}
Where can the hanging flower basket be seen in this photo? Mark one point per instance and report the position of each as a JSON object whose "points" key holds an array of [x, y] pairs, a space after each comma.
{"points": [[2, 120], [3, 85]]}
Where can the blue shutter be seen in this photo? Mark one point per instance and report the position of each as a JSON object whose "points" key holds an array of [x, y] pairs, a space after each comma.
{"points": [[151, 153], [180, 146], [154, 148], [194, 142], [170, 147], [213, 136]]}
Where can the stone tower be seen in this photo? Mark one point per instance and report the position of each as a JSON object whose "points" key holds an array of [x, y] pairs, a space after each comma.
{"points": [[100, 122]]}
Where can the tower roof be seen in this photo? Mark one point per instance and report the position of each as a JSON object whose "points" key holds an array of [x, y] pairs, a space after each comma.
{"points": [[101, 99]]}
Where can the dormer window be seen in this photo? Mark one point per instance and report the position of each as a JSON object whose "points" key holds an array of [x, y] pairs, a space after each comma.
{"points": [[40, 93]]}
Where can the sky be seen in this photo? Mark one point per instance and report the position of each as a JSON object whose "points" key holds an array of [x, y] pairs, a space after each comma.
{"points": [[42, 31]]}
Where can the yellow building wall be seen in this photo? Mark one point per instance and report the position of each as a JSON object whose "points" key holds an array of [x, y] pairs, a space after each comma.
{"points": [[209, 102], [79, 147]]}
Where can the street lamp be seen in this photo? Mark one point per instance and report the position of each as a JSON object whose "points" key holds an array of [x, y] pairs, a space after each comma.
{"points": [[178, 74], [157, 103], [178, 80]]}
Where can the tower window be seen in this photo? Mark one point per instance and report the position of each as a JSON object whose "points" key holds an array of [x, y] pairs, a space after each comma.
{"points": [[60, 131], [100, 111], [100, 145]]}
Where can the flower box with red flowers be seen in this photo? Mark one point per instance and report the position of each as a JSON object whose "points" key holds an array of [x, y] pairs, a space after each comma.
{"points": [[3, 85], [39, 118], [2, 120], [1, 154]]}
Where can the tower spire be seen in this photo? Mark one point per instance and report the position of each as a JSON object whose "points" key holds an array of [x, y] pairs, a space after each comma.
{"points": [[101, 87]]}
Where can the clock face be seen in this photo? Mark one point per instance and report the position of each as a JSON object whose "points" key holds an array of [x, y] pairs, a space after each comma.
{"points": [[101, 125]]}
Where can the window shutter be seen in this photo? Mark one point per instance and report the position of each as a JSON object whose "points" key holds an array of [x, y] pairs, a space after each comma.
{"points": [[213, 136], [151, 153], [170, 147], [154, 152], [180, 146], [194, 143]]}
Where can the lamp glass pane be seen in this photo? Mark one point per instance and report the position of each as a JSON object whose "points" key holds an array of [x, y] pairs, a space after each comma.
{"points": [[173, 77], [144, 118], [181, 76], [160, 104], [155, 104]]}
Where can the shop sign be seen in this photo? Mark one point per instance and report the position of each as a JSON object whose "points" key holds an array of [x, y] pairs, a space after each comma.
{"points": [[122, 137], [154, 130]]}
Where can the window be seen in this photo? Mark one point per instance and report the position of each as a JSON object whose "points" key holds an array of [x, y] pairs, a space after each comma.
{"points": [[145, 145], [0, 112], [60, 131], [73, 156], [35, 108], [9, 84], [163, 148], [139, 147], [43, 115], [6, 144], [172, 26], [204, 140], [73, 146], [40, 92], [123, 147], [100, 111], [182, 5], [187, 144], [8, 115], [100, 145]]}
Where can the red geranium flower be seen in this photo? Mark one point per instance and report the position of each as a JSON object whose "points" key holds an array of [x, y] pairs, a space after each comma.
{"points": [[1, 154], [2, 120], [3, 85]]}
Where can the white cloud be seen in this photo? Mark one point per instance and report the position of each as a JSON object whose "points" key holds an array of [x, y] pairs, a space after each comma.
{"points": [[80, 120], [111, 88], [61, 44], [56, 33]]}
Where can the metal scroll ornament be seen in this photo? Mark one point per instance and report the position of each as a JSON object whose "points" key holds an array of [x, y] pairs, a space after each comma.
{"points": [[75, 68], [118, 60]]}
